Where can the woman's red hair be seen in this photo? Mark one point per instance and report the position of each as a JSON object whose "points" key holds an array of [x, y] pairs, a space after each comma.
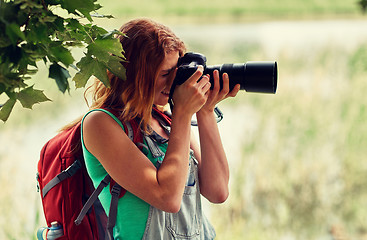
{"points": [[145, 45]]}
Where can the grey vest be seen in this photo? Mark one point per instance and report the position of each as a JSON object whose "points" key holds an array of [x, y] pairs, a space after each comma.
{"points": [[189, 222]]}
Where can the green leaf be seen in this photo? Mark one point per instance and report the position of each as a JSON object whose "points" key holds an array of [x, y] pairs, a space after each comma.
{"points": [[52, 2], [86, 14], [58, 24], [115, 66], [6, 109], [103, 48], [12, 55], [83, 6], [29, 4], [30, 31], [2, 85], [100, 72], [37, 33], [90, 67], [62, 54], [48, 19], [60, 75], [9, 11], [29, 96], [14, 33], [97, 6], [81, 79], [74, 24], [4, 42]]}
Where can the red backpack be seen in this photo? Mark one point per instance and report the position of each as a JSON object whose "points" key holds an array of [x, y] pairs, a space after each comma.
{"points": [[67, 192]]}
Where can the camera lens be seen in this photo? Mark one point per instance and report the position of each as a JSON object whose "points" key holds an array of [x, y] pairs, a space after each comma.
{"points": [[258, 77]]}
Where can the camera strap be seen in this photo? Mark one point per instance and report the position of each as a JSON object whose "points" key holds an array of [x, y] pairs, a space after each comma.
{"points": [[218, 118], [217, 111]]}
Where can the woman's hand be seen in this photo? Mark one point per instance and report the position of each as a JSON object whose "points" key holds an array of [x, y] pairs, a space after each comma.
{"points": [[193, 93], [216, 94]]}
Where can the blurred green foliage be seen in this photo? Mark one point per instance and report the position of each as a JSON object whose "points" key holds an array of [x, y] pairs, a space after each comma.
{"points": [[34, 31]]}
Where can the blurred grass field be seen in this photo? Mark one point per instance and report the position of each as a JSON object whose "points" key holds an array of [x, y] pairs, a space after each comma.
{"points": [[297, 158], [232, 10]]}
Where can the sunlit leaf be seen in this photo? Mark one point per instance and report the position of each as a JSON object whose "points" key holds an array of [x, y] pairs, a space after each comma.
{"points": [[6, 109], [81, 79], [29, 96], [83, 6], [90, 66], [115, 66], [62, 54], [103, 48], [100, 72]]}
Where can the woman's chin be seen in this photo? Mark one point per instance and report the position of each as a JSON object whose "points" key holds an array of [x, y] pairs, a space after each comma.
{"points": [[162, 100]]}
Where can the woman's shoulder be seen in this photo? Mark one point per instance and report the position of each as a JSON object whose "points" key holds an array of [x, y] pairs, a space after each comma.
{"points": [[100, 118], [96, 115]]}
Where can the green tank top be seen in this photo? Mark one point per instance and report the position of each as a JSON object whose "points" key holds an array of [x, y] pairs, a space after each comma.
{"points": [[132, 212]]}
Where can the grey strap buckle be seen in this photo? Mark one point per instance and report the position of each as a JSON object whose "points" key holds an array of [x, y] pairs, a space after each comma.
{"points": [[70, 171]]}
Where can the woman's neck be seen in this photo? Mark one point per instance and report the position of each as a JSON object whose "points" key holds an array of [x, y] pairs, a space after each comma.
{"points": [[156, 126]]}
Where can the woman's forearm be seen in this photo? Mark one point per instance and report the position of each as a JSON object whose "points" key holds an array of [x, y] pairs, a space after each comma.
{"points": [[172, 174], [214, 170]]}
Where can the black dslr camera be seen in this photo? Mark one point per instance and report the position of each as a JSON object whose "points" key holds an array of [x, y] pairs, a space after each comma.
{"points": [[260, 77]]}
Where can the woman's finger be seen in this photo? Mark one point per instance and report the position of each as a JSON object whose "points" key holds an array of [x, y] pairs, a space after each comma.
{"points": [[234, 91], [196, 76]]}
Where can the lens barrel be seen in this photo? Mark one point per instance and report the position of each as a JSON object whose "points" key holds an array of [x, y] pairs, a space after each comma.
{"points": [[259, 77]]}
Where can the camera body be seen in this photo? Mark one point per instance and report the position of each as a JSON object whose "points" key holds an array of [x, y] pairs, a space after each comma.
{"points": [[260, 76]]}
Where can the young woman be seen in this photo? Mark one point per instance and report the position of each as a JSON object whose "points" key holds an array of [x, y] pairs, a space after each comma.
{"points": [[163, 193]]}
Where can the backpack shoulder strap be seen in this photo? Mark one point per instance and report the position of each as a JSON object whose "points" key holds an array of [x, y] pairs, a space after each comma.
{"points": [[92, 199], [116, 191], [129, 130], [163, 117], [70, 171], [132, 131]]}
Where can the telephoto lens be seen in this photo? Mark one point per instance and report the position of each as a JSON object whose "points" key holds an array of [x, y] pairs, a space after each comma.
{"points": [[257, 77]]}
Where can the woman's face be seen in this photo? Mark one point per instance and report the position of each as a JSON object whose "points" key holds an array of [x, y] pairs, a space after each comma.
{"points": [[164, 81]]}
